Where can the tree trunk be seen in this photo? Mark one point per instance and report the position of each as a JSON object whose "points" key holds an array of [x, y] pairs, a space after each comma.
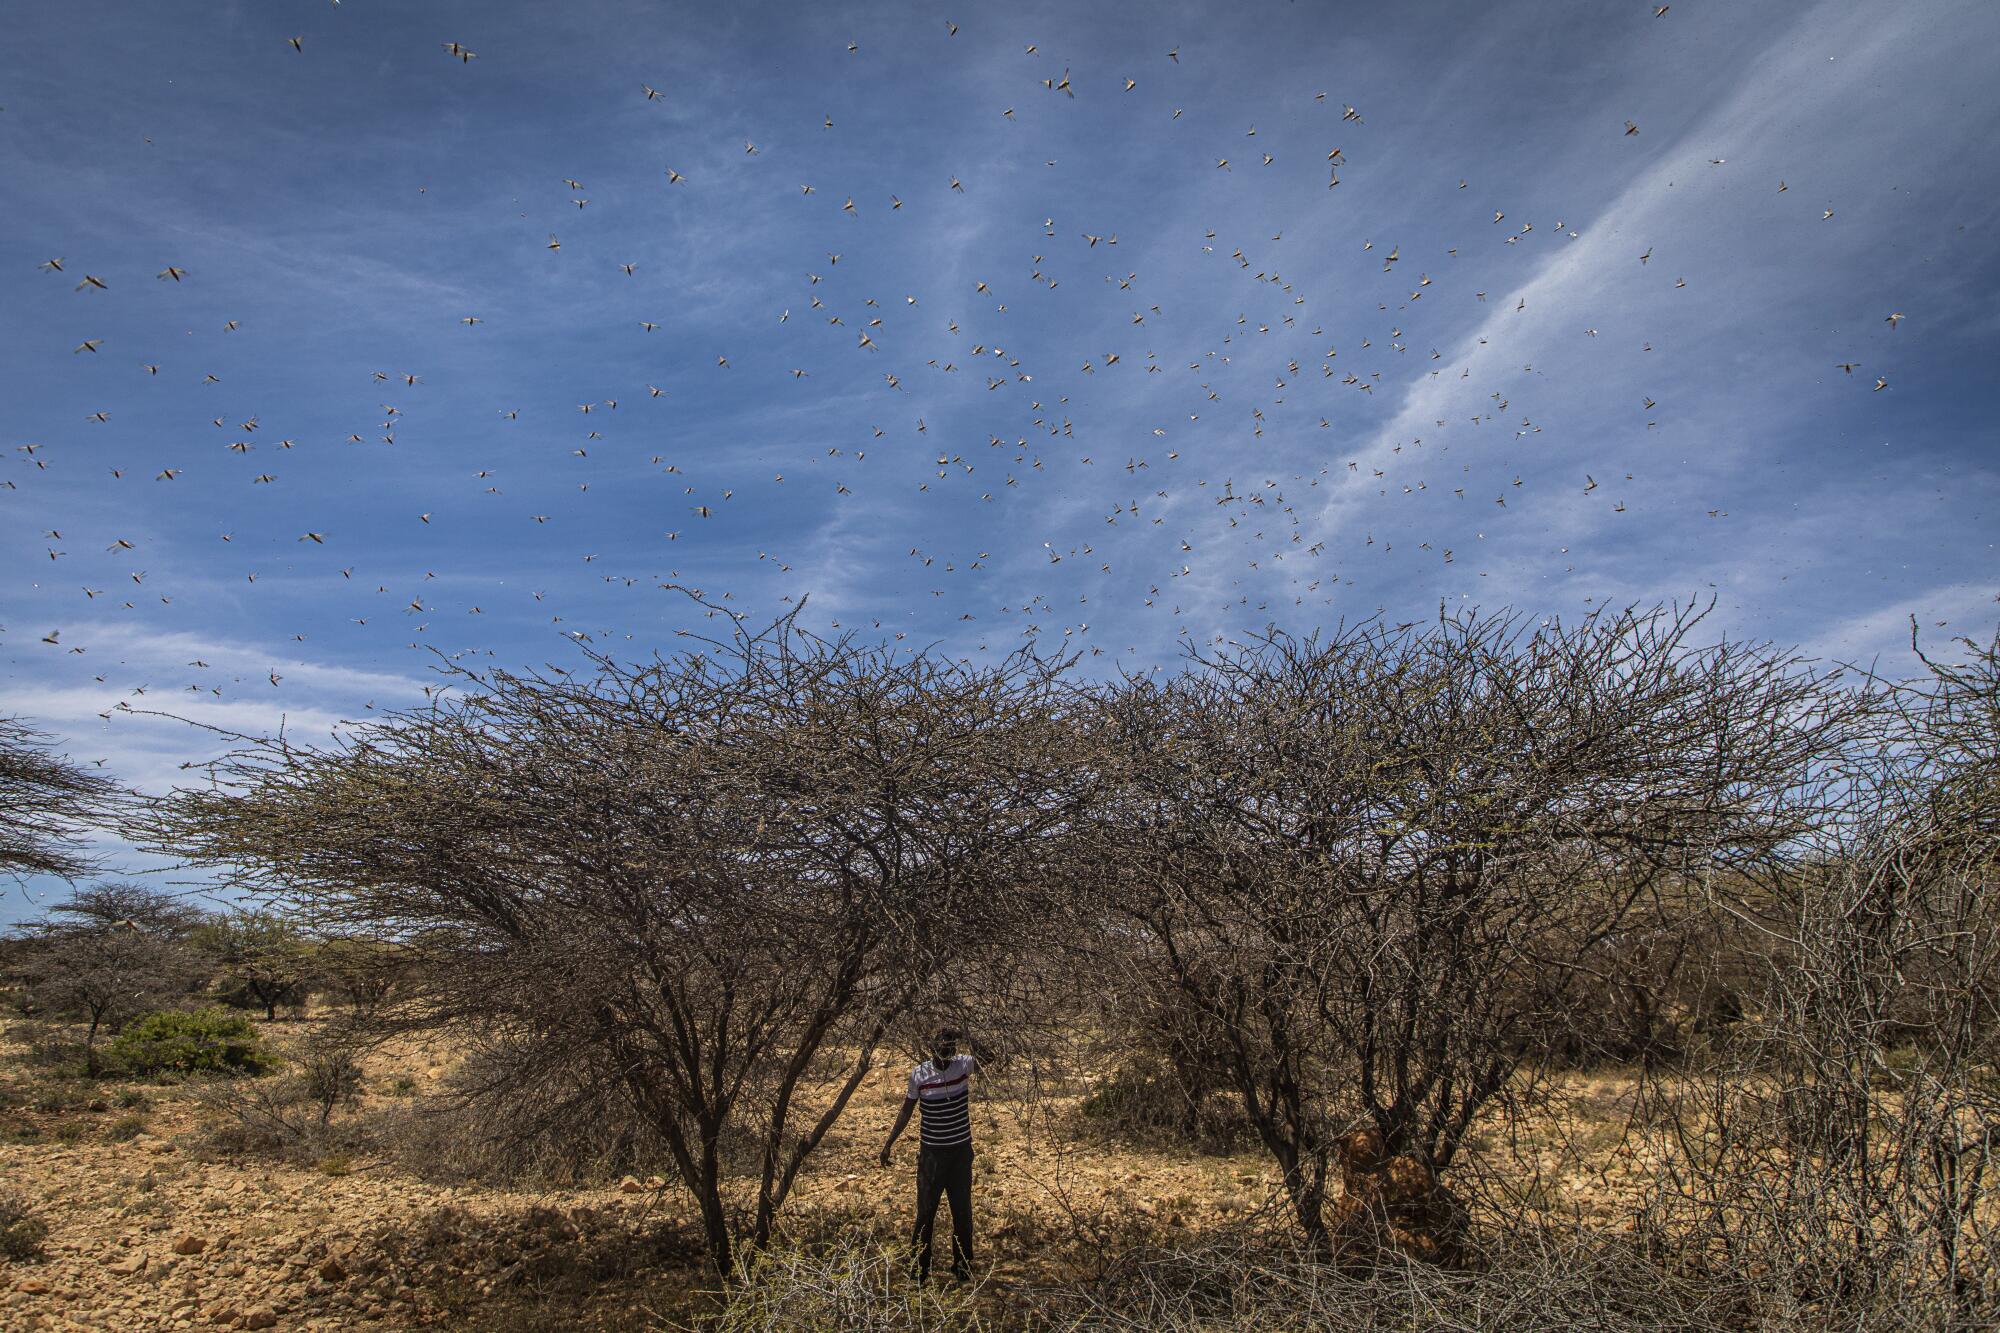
{"points": [[715, 1226], [702, 1175], [771, 1196], [1305, 1183], [1308, 1195]]}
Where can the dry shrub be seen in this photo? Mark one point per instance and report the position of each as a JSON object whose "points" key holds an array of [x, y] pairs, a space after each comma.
{"points": [[125, 1128], [274, 1119], [1148, 1101], [454, 1260], [1247, 1279], [290, 1117], [22, 1229], [1169, 1079], [1839, 1154], [1534, 1280], [852, 1283]]}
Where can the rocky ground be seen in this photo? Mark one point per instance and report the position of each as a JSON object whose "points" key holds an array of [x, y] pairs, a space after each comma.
{"points": [[150, 1226]]}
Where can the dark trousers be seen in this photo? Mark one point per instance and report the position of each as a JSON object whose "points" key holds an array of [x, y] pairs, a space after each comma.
{"points": [[945, 1171]]}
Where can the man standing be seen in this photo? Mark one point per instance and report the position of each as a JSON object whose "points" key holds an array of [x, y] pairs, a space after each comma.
{"points": [[941, 1086]]}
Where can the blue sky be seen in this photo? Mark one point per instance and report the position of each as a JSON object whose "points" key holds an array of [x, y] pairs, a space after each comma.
{"points": [[1256, 397]]}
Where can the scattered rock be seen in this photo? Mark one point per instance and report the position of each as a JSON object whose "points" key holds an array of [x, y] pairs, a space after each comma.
{"points": [[261, 1317], [190, 1244], [629, 1185], [332, 1270], [128, 1266]]}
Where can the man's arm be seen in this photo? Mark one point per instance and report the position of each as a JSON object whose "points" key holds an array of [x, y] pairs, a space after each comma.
{"points": [[902, 1123]]}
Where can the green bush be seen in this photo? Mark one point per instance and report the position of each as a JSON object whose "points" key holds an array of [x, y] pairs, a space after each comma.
{"points": [[199, 1041]]}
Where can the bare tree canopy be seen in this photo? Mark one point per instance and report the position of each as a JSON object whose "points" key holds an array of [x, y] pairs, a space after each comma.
{"points": [[1847, 1140], [702, 888], [47, 805], [1375, 870]]}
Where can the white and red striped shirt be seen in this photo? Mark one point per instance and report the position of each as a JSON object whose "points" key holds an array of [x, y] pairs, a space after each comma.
{"points": [[943, 1095]]}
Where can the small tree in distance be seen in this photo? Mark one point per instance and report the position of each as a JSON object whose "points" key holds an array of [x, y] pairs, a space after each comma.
{"points": [[363, 972], [264, 959], [111, 953], [702, 889]]}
